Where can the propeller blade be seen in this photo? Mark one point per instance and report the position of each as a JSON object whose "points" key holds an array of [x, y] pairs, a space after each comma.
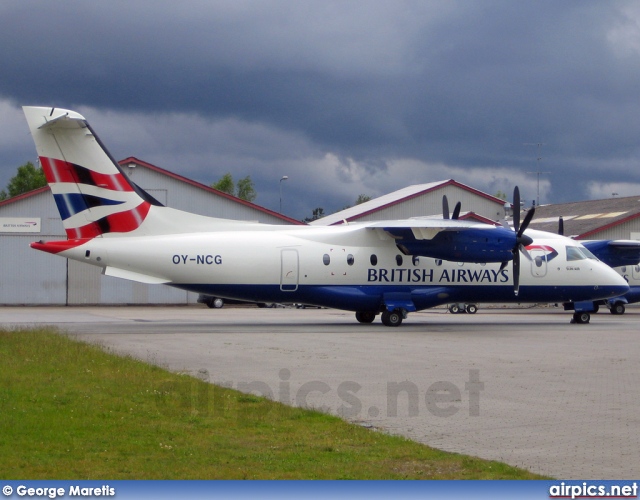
{"points": [[516, 271], [456, 210], [503, 265], [522, 240], [445, 207], [561, 226], [526, 221], [516, 209]]}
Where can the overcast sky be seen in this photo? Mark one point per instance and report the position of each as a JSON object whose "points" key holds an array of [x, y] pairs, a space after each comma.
{"points": [[344, 97]]}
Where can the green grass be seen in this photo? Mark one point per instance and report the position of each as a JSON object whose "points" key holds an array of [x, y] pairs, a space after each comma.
{"points": [[70, 410]]}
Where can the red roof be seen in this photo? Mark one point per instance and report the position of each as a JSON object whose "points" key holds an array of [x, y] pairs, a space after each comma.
{"points": [[22, 196], [133, 159]]}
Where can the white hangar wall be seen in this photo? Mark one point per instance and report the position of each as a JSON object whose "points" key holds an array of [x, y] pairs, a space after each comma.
{"points": [[626, 231], [31, 277]]}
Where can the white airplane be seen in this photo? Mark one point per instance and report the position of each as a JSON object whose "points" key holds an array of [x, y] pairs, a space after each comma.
{"points": [[624, 257], [388, 267]]}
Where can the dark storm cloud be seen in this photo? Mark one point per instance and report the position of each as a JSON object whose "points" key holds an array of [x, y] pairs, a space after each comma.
{"points": [[377, 95]]}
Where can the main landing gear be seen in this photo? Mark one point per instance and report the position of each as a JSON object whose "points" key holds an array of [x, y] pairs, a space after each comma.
{"points": [[393, 318], [617, 308], [463, 308], [365, 316], [581, 318], [389, 318]]}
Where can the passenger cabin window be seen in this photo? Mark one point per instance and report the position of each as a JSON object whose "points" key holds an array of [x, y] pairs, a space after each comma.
{"points": [[374, 259], [416, 260], [399, 260], [326, 259], [350, 260]]}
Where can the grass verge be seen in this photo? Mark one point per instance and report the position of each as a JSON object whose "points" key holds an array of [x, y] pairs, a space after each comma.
{"points": [[71, 410]]}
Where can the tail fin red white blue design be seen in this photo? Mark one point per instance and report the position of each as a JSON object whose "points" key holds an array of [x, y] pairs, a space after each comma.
{"points": [[94, 197]]}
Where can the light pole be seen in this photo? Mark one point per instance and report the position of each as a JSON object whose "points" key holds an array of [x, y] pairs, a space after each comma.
{"points": [[539, 144], [284, 178]]}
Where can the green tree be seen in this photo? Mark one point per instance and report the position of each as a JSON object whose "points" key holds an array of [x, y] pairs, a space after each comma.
{"points": [[26, 179], [317, 213], [246, 190], [501, 195], [225, 184]]}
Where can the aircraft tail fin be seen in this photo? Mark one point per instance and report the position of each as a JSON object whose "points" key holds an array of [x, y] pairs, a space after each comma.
{"points": [[92, 193]]}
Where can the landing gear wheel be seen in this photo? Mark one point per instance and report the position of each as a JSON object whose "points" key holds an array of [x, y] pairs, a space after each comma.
{"points": [[393, 318], [581, 318], [472, 308], [215, 303], [454, 309], [365, 316], [617, 308]]}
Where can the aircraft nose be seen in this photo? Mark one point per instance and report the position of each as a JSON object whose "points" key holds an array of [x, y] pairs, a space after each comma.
{"points": [[617, 284]]}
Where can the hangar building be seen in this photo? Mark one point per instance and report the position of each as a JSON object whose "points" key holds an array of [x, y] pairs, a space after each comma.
{"points": [[422, 199], [36, 278], [613, 218], [610, 219]]}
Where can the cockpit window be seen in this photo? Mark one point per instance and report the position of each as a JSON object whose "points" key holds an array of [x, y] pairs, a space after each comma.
{"points": [[588, 253], [575, 253]]}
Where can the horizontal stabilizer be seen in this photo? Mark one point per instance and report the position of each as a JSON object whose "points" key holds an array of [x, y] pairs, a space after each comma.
{"points": [[67, 119], [131, 276]]}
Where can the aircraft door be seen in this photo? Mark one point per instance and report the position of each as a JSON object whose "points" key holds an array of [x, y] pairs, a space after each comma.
{"points": [[289, 270], [538, 262]]}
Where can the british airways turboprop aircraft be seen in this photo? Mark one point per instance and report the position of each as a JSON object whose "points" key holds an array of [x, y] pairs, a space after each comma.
{"points": [[388, 267]]}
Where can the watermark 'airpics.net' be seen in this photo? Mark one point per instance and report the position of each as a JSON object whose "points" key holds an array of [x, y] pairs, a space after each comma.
{"points": [[403, 399]]}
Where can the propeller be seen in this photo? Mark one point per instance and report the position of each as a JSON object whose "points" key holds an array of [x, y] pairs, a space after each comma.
{"points": [[445, 209], [521, 239], [561, 226]]}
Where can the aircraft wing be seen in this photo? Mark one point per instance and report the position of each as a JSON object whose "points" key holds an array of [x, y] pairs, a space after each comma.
{"points": [[449, 239], [615, 253]]}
